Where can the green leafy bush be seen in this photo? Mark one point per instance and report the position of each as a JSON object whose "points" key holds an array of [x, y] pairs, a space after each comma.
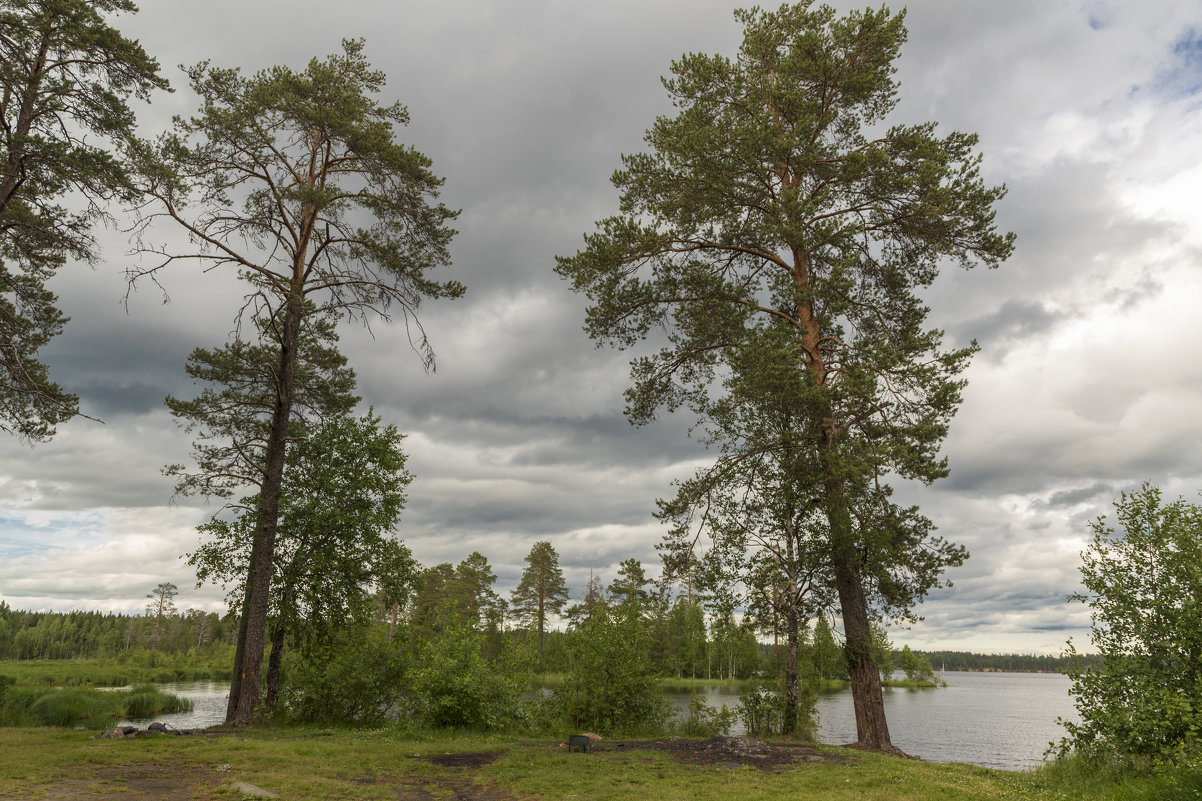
{"points": [[356, 676], [762, 710], [453, 684], [1143, 585], [703, 720], [611, 685]]}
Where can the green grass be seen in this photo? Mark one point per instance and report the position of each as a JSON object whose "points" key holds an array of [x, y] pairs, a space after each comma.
{"points": [[84, 707], [106, 673], [323, 764]]}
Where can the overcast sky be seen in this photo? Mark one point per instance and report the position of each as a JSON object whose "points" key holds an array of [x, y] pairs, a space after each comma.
{"points": [[1088, 381]]}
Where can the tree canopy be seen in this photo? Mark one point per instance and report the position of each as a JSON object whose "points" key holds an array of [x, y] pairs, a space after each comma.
{"points": [[344, 490], [238, 386], [66, 78]]}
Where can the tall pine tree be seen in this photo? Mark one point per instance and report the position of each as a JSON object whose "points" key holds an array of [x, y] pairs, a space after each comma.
{"points": [[777, 207]]}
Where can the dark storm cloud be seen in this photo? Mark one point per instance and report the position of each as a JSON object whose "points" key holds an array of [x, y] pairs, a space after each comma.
{"points": [[1084, 385], [129, 371], [1015, 319], [1079, 495]]}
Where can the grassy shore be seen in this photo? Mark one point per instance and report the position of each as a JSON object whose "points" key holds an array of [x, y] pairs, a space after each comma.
{"points": [[323, 764], [107, 673]]}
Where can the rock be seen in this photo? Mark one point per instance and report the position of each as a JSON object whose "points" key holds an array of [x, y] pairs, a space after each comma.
{"points": [[595, 738], [111, 734], [250, 789], [742, 746]]}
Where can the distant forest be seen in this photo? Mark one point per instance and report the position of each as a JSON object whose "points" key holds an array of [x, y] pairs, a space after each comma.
{"points": [[1009, 663], [205, 635], [108, 635]]}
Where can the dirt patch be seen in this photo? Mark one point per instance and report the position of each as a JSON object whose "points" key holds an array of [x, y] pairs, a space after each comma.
{"points": [[436, 788], [727, 752], [152, 781], [476, 759]]}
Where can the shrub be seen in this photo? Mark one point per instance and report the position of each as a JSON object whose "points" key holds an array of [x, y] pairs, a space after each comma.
{"points": [[762, 710], [610, 684], [356, 676], [703, 720], [454, 685], [1143, 698]]}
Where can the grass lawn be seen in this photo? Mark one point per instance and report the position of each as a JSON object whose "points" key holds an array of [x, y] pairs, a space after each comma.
{"points": [[59, 765]]}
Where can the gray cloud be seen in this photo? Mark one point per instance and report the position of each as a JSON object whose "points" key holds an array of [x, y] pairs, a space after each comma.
{"points": [[1086, 384]]}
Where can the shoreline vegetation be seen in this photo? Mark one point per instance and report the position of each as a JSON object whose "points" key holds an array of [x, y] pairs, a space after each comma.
{"points": [[84, 707], [122, 672]]}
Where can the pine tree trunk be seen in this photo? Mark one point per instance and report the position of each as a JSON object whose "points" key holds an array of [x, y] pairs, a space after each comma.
{"points": [[872, 730], [254, 633], [239, 654], [541, 624], [274, 666]]}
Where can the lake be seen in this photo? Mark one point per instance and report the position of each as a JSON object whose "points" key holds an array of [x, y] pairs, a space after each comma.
{"points": [[997, 720]]}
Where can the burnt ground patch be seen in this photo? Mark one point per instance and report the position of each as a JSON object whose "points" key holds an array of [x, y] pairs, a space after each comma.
{"points": [[731, 752], [475, 759]]}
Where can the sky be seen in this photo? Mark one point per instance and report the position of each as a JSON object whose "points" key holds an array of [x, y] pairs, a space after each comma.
{"points": [[1087, 383]]}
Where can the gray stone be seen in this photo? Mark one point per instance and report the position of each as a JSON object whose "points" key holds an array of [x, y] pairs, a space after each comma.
{"points": [[250, 789]]}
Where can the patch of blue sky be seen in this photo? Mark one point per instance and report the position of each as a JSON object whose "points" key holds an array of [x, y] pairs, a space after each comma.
{"points": [[26, 534], [1099, 13], [1181, 78]]}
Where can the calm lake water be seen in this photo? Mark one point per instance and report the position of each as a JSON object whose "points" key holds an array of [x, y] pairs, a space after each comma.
{"points": [[998, 720], [208, 705]]}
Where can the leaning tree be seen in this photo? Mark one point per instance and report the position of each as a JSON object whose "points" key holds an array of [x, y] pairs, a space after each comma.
{"points": [[777, 194], [294, 180]]}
